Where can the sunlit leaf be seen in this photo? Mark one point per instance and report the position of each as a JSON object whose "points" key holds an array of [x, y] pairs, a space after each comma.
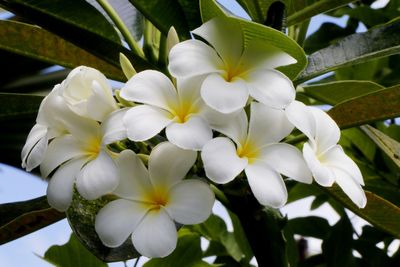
{"points": [[40, 44], [72, 254], [356, 48], [372, 107], [21, 218]]}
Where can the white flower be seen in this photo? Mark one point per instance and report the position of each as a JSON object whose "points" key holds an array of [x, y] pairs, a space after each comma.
{"points": [[257, 152], [181, 111], [82, 156], [87, 92], [151, 200], [325, 158], [233, 72]]}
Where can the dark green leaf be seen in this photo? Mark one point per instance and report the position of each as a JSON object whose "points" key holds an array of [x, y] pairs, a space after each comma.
{"points": [[309, 226], [21, 218], [379, 212], [361, 142], [40, 44], [18, 105], [356, 48], [164, 14], [375, 256], [337, 246], [72, 254], [388, 145], [59, 16], [380, 105], [240, 237], [335, 92]]}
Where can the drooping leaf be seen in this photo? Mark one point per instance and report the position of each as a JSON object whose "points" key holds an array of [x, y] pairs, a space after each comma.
{"points": [[40, 44], [18, 105], [337, 246], [72, 254], [21, 218], [380, 105], [164, 14], [388, 145], [356, 48], [59, 17], [300, 10], [379, 212], [268, 36], [335, 92]]}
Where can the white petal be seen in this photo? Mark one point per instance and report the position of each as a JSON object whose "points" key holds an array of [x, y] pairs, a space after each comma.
{"points": [[223, 96], [193, 58], [144, 122], [60, 187], [225, 35], [262, 55], [192, 135], [221, 162], [190, 202], [267, 125], [117, 221], [270, 87], [267, 185], [35, 147], [302, 118], [169, 164], [82, 128], [100, 103], [150, 87], [113, 128], [351, 187], [156, 235], [323, 175], [287, 160], [134, 181], [327, 132], [335, 157], [98, 177], [59, 151], [233, 125], [189, 89]]}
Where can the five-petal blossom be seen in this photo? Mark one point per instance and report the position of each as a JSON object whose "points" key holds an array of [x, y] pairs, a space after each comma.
{"points": [[325, 158], [258, 152], [151, 200], [232, 72]]}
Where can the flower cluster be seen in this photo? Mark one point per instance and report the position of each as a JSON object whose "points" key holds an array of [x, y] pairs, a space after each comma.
{"points": [[203, 109]]}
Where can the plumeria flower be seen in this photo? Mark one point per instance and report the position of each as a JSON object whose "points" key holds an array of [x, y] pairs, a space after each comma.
{"points": [[150, 201], [232, 72], [88, 93], [325, 158], [181, 111], [258, 153], [81, 156]]}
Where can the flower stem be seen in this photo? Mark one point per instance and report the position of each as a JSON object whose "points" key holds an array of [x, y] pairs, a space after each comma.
{"points": [[121, 27]]}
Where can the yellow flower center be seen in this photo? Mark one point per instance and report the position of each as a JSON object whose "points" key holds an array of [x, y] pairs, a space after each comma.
{"points": [[183, 111], [93, 147], [230, 74], [157, 199], [249, 151]]}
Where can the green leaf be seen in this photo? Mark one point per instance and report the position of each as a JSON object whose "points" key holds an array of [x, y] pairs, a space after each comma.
{"points": [[268, 36], [14, 106], [300, 10], [361, 142], [378, 42], [309, 226], [337, 246], [257, 9], [336, 92], [87, 32], [380, 105], [379, 212], [164, 14], [40, 44], [72, 254], [188, 253], [21, 218], [388, 145]]}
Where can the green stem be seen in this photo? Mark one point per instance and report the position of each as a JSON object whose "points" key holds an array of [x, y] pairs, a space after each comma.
{"points": [[121, 26]]}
